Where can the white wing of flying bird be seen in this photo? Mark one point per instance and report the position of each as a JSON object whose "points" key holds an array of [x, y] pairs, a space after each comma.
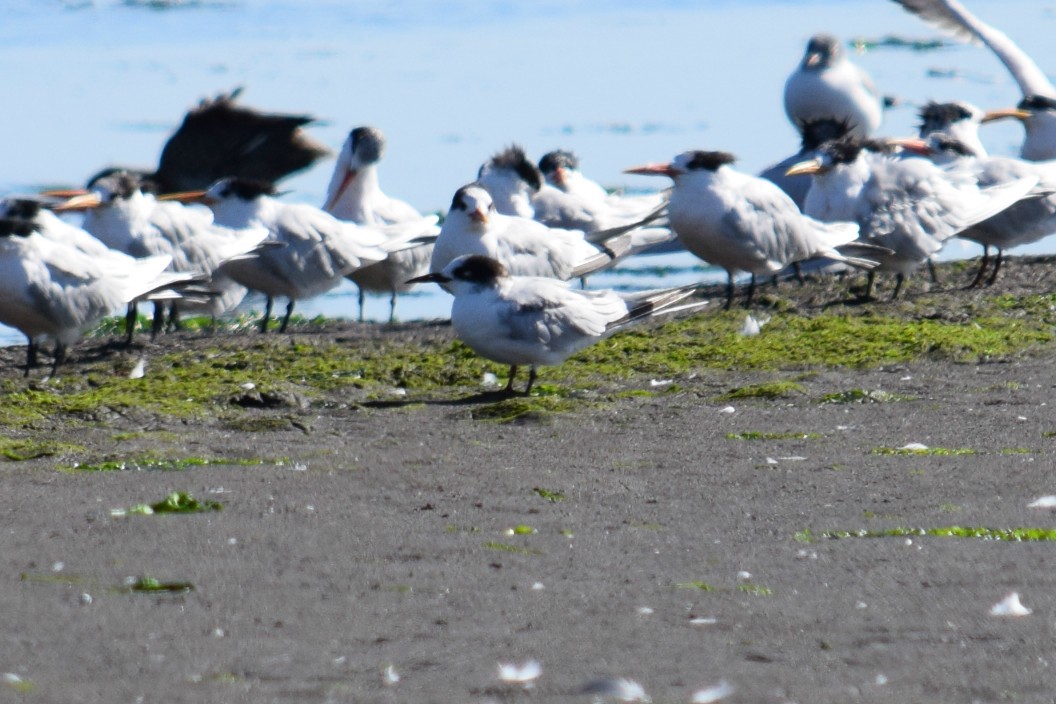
{"points": [[531, 320], [1038, 107], [954, 18]]}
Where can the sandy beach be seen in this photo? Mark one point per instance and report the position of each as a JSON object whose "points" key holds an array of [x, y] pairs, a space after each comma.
{"points": [[679, 530]]}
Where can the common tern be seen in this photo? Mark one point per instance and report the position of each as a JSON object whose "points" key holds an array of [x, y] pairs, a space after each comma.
{"points": [[1039, 94], [53, 290], [538, 321], [319, 250], [828, 86], [570, 200], [742, 222], [127, 218], [524, 246], [512, 180], [951, 138], [908, 206], [354, 194]]}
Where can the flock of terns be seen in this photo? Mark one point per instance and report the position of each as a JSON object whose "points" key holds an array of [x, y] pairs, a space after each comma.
{"points": [[517, 236]]}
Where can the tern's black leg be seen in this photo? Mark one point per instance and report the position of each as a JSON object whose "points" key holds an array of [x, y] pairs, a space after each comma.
{"points": [[267, 314], [173, 323], [799, 273], [729, 291], [982, 267], [392, 307], [130, 322], [870, 281], [899, 280], [932, 271], [751, 293], [60, 357], [362, 304], [286, 318], [997, 267], [159, 319], [531, 380], [509, 382], [31, 354], [775, 282]]}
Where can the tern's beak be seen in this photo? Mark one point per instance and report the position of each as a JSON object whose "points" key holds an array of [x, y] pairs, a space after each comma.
{"points": [[653, 170], [434, 278], [479, 215], [810, 166], [83, 201], [350, 176], [559, 176], [188, 197], [912, 145], [64, 192], [1005, 113]]}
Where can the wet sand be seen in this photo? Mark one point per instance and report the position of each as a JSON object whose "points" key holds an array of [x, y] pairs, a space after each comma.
{"points": [[667, 546]]}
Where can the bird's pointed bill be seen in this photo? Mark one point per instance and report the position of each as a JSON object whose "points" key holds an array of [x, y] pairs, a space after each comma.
{"points": [[652, 170], [1004, 114], [810, 166], [84, 201]]}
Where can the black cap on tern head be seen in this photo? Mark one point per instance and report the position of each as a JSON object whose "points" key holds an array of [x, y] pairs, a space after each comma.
{"points": [[708, 160], [559, 158], [20, 208], [514, 158], [817, 132], [478, 269], [822, 50], [935, 117], [1037, 102]]}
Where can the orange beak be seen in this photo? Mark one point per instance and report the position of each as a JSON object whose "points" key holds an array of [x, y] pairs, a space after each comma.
{"points": [[187, 197], [82, 201], [350, 176], [652, 170]]}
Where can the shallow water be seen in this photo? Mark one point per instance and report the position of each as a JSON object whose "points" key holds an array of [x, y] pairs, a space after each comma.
{"points": [[450, 82]]}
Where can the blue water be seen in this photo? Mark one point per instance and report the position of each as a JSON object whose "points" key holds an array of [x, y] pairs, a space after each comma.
{"points": [[89, 84]]}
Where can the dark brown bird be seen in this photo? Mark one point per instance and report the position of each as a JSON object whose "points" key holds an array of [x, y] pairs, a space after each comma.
{"points": [[220, 139]]}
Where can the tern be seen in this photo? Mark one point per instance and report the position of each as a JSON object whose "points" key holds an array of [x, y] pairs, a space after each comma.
{"points": [[54, 290], [512, 180], [539, 321], [570, 200], [524, 246], [319, 250], [813, 133], [828, 86], [355, 195], [742, 222], [908, 206], [951, 138], [1038, 107], [125, 217]]}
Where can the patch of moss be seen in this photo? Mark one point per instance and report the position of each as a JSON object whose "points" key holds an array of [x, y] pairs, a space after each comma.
{"points": [[761, 435], [177, 502], [755, 589], [150, 585], [979, 533], [505, 547], [21, 449], [928, 451], [696, 584], [551, 496], [522, 408], [770, 390]]}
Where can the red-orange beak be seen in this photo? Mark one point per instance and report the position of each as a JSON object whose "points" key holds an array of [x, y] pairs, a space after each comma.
{"points": [[652, 170], [350, 176]]}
